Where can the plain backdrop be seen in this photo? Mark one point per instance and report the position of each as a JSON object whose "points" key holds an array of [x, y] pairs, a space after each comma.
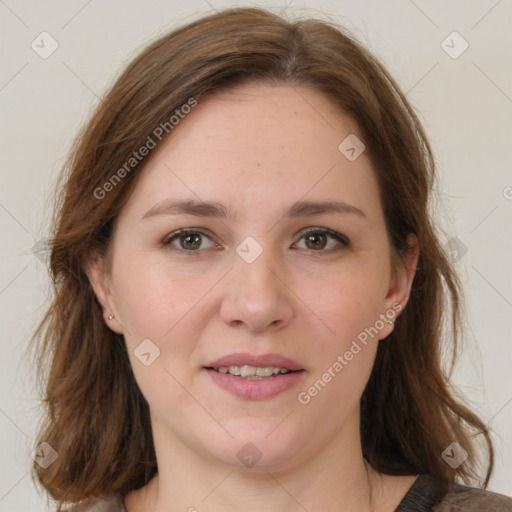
{"points": [[464, 99]]}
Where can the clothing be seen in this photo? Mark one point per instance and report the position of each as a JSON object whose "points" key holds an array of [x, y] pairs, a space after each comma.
{"points": [[427, 494], [430, 494]]}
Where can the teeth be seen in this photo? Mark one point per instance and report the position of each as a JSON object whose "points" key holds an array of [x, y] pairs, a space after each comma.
{"points": [[266, 372], [252, 372]]}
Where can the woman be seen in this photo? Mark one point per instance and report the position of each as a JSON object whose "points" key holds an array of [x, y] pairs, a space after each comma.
{"points": [[250, 296]]}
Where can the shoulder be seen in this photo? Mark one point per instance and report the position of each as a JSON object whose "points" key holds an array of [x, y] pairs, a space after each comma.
{"points": [[432, 494], [470, 499], [113, 503]]}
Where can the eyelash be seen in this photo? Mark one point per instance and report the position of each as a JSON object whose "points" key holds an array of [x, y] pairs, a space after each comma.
{"points": [[342, 239]]}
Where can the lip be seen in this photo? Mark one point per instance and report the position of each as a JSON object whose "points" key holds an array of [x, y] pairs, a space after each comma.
{"points": [[246, 359], [255, 389]]}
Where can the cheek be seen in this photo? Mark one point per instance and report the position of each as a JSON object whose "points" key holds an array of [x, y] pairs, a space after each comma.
{"points": [[349, 308], [352, 301], [152, 298], [165, 305], [156, 309], [342, 360]]}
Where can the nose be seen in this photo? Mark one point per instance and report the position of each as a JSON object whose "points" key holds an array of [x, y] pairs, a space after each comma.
{"points": [[257, 295]]}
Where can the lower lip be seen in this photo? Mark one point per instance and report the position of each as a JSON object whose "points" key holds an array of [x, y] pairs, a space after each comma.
{"points": [[255, 389]]}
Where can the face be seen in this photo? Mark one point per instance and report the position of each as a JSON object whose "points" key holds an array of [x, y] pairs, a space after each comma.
{"points": [[285, 265]]}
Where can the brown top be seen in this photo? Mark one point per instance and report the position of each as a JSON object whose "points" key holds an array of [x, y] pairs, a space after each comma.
{"points": [[427, 494]]}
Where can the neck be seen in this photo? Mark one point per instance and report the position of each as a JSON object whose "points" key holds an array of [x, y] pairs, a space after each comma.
{"points": [[336, 478]]}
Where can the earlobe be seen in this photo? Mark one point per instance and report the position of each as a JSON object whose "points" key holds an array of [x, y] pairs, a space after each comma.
{"points": [[100, 282]]}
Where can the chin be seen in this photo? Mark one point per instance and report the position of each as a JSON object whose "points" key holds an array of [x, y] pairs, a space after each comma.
{"points": [[258, 445]]}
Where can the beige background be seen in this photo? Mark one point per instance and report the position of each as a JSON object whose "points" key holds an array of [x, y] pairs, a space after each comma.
{"points": [[465, 103]]}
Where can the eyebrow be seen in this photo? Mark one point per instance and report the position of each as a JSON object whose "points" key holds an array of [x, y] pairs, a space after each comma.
{"points": [[215, 209]]}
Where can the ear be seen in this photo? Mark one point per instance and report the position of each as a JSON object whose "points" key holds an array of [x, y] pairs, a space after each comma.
{"points": [[400, 284], [100, 281]]}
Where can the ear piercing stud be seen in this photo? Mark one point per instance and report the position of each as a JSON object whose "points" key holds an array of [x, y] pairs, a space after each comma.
{"points": [[110, 317]]}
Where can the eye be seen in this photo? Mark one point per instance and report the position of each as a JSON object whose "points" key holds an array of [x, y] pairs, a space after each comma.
{"points": [[317, 239], [187, 240], [190, 240]]}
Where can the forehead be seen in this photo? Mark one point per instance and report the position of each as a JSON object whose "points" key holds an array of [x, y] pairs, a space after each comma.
{"points": [[253, 120], [257, 145]]}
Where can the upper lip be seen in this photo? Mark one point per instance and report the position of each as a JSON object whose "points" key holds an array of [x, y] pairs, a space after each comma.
{"points": [[262, 360]]}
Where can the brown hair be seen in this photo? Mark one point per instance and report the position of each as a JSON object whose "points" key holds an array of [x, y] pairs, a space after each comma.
{"points": [[97, 419]]}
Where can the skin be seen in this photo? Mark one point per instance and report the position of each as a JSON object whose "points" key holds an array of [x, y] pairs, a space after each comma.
{"points": [[243, 148]]}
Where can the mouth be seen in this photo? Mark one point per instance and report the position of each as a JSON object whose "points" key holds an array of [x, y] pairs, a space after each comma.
{"points": [[253, 372], [255, 377]]}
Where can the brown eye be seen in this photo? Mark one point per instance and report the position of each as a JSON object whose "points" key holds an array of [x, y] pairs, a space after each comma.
{"points": [[323, 240], [316, 241], [188, 241]]}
